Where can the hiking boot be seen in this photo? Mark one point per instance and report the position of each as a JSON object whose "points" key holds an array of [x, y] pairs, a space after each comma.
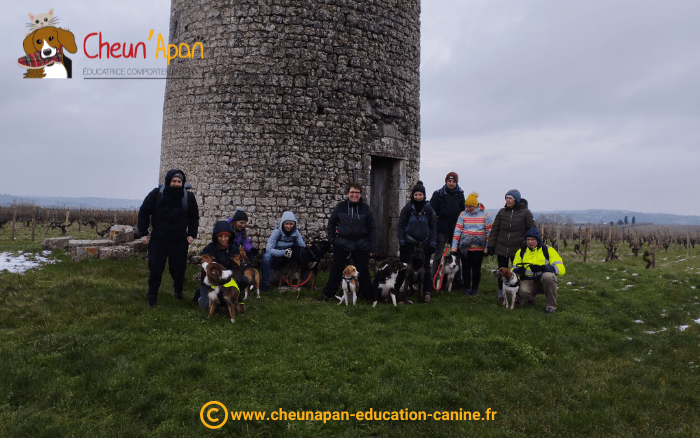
{"points": [[549, 310], [467, 292], [500, 295]]}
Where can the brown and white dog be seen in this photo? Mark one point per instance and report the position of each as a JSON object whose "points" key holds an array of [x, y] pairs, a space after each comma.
{"points": [[251, 273], [511, 284], [216, 276], [349, 283], [45, 58]]}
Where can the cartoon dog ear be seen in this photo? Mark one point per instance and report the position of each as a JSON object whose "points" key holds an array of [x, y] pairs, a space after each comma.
{"points": [[67, 40], [29, 44]]}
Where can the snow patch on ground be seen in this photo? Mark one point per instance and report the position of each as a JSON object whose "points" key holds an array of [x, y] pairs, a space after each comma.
{"points": [[21, 262]]}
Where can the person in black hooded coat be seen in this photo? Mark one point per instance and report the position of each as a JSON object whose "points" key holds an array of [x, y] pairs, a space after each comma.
{"points": [[174, 228]]}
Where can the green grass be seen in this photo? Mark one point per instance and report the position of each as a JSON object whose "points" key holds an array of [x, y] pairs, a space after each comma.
{"points": [[83, 355]]}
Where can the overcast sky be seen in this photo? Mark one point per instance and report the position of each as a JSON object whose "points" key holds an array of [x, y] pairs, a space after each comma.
{"points": [[579, 105]]}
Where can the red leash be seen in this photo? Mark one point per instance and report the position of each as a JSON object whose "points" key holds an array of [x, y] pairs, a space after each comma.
{"points": [[440, 271]]}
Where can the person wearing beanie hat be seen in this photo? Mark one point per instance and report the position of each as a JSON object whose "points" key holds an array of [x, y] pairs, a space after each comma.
{"points": [[470, 236], [538, 267], [285, 244], [222, 248], [508, 231], [448, 203], [417, 226], [352, 231], [238, 222], [174, 217]]}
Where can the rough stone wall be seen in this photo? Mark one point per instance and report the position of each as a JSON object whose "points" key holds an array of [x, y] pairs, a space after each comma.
{"points": [[288, 105]]}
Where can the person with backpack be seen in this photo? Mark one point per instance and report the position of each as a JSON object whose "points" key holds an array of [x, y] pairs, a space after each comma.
{"points": [[470, 236], [448, 203], [174, 217], [507, 232], [538, 268], [418, 226]]}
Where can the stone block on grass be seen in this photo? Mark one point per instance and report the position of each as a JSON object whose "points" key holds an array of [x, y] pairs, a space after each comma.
{"points": [[121, 234], [56, 242], [116, 252]]}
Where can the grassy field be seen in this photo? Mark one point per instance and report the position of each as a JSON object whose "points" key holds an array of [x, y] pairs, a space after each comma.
{"points": [[83, 355]]}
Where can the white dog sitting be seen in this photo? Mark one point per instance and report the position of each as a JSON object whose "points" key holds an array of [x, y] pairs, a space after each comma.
{"points": [[349, 283], [511, 284]]}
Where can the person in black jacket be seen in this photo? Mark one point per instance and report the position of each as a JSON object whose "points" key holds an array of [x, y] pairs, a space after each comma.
{"points": [[222, 248], [417, 226], [448, 203], [352, 230], [174, 217]]}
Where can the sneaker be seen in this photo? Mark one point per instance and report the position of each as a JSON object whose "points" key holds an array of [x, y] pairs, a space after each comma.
{"points": [[500, 295], [428, 298], [549, 310], [467, 292], [475, 292]]}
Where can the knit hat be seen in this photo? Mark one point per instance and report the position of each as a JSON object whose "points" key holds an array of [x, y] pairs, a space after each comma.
{"points": [[239, 215], [532, 232], [419, 187], [174, 173], [472, 200], [515, 194], [453, 176]]}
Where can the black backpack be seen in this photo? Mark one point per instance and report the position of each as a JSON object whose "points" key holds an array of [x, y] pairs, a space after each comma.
{"points": [[545, 251], [161, 188]]}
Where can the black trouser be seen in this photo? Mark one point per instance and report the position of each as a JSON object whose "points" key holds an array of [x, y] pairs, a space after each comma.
{"points": [[471, 268], [175, 252], [360, 259], [405, 253], [503, 263]]}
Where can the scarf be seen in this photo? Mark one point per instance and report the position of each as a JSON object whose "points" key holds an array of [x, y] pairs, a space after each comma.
{"points": [[36, 61]]}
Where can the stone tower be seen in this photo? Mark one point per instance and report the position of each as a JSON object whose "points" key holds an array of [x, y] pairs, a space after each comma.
{"points": [[293, 100]]}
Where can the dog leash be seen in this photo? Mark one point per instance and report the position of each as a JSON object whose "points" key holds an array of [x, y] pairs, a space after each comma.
{"points": [[440, 271]]}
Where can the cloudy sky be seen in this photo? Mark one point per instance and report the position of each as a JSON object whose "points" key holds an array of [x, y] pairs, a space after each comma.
{"points": [[579, 105]]}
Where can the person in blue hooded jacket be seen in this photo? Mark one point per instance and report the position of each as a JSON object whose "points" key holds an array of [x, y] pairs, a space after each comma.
{"points": [[285, 243]]}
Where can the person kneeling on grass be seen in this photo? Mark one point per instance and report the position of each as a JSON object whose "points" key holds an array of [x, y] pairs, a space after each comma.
{"points": [[285, 244], [222, 248], [538, 267]]}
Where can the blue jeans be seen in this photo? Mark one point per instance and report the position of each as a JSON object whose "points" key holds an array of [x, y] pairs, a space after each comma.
{"points": [[270, 262]]}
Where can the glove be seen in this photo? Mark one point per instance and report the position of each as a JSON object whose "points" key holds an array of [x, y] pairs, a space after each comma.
{"points": [[491, 251], [537, 268], [253, 252], [288, 253], [518, 270], [550, 268]]}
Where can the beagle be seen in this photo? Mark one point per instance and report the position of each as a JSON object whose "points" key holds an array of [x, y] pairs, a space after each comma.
{"points": [[45, 58], [349, 283]]}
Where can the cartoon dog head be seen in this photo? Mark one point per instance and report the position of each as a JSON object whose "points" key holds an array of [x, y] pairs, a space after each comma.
{"points": [[47, 40]]}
